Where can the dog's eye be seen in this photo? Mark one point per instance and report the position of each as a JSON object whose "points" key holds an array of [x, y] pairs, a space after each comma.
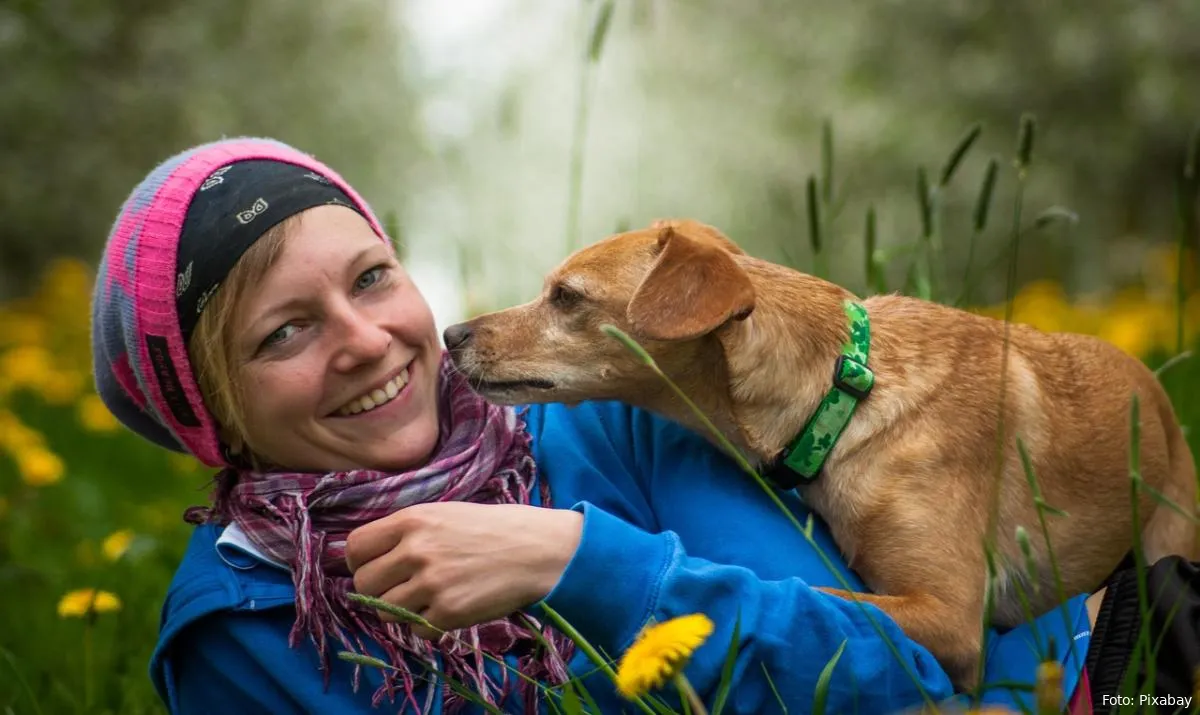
{"points": [[563, 297]]}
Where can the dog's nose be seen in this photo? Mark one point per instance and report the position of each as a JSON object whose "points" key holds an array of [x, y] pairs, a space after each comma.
{"points": [[456, 336]]}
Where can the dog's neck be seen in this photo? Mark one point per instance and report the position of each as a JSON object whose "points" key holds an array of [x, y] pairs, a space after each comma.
{"points": [[781, 359], [694, 371]]}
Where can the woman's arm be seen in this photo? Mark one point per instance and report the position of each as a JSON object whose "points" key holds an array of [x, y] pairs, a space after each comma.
{"points": [[622, 576]]}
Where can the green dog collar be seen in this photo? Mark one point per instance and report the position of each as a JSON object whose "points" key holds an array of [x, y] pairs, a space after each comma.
{"points": [[852, 382]]}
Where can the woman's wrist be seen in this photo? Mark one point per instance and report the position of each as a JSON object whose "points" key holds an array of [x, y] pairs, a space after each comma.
{"points": [[562, 535]]}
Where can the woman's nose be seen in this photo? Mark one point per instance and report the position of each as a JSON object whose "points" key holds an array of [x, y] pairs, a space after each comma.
{"points": [[362, 340]]}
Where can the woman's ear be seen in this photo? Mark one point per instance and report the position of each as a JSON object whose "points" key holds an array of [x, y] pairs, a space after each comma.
{"points": [[233, 449]]}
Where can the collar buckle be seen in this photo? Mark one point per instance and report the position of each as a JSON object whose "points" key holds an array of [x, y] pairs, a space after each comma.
{"points": [[853, 377]]}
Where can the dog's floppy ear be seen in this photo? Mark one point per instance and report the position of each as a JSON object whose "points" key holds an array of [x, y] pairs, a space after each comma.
{"points": [[693, 288], [699, 231]]}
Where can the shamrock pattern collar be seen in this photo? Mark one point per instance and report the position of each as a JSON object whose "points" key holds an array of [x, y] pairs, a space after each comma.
{"points": [[804, 457]]}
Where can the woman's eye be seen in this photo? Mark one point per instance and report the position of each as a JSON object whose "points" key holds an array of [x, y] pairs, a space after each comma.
{"points": [[368, 279], [281, 334]]}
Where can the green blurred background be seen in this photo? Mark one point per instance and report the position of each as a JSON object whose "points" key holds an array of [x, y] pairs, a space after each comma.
{"points": [[500, 134]]}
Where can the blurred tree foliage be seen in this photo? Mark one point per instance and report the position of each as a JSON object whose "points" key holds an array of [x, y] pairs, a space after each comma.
{"points": [[1112, 83], [93, 95]]}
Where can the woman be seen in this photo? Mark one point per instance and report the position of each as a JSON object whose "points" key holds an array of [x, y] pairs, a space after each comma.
{"points": [[250, 311]]}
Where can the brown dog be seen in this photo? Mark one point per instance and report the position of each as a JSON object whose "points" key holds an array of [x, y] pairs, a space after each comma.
{"points": [[907, 487]]}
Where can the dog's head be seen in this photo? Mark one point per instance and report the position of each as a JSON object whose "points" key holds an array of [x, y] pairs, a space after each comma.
{"points": [[668, 286]]}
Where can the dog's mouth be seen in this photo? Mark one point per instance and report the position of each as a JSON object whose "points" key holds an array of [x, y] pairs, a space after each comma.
{"points": [[496, 386]]}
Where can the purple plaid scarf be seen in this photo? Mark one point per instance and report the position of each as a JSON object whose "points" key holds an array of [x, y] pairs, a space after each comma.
{"points": [[302, 520]]}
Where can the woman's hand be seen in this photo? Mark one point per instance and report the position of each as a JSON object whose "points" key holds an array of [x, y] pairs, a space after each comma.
{"points": [[458, 564]]}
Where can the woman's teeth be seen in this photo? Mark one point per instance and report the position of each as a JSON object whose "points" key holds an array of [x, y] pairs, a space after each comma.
{"points": [[376, 397]]}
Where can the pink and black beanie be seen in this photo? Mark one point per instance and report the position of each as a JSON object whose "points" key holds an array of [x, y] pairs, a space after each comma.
{"points": [[177, 236]]}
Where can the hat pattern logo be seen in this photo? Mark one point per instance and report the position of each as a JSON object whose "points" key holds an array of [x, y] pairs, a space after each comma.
{"points": [[217, 177], [183, 280], [317, 177], [259, 206], [204, 298]]}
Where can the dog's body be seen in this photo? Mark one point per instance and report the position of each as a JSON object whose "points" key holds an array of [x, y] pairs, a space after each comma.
{"points": [[907, 490]]}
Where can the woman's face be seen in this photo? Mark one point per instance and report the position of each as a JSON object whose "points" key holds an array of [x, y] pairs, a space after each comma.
{"points": [[338, 353]]}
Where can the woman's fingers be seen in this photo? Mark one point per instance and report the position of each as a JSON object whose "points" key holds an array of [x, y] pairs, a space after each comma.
{"points": [[410, 596], [391, 569]]}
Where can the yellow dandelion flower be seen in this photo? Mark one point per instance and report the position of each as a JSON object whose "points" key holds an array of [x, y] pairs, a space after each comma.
{"points": [[1132, 327], [21, 329], [61, 388], [66, 280], [77, 604], [1049, 687], [660, 652], [1191, 319], [116, 544], [95, 416], [39, 466], [1161, 266], [1042, 304], [15, 436], [26, 366]]}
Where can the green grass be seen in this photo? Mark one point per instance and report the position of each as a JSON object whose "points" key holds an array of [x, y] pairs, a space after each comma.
{"points": [[50, 544]]}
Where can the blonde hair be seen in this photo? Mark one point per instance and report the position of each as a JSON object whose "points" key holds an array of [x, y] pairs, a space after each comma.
{"points": [[213, 345]]}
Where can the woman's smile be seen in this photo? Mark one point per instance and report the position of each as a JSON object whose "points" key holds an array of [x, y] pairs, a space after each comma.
{"points": [[376, 397]]}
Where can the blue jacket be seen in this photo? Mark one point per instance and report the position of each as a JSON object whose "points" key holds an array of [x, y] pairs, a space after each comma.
{"points": [[671, 526]]}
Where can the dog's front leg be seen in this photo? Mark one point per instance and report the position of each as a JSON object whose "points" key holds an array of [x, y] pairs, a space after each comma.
{"points": [[950, 631]]}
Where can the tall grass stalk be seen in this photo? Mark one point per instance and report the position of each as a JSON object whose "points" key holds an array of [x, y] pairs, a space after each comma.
{"points": [[1042, 509], [89, 683], [597, 34], [1025, 138], [692, 704], [816, 228], [923, 265], [822, 205], [536, 632], [931, 276], [726, 682], [979, 217], [1031, 570], [591, 652], [34, 703], [876, 282], [1024, 152], [821, 698], [774, 690], [989, 606], [1187, 193], [1143, 648]]}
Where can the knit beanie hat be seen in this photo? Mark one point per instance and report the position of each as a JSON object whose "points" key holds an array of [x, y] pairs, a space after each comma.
{"points": [[139, 352]]}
